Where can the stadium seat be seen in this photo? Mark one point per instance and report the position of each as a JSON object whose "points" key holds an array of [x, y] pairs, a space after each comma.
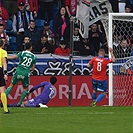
{"points": [[55, 10], [51, 24], [12, 43], [39, 24], [9, 29], [8, 25]]}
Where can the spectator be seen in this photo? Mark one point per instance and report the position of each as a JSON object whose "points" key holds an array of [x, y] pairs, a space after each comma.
{"points": [[26, 40], [122, 4], [61, 23], [86, 48], [114, 4], [26, 4], [77, 39], [31, 5], [3, 35], [62, 49], [71, 7], [123, 50], [116, 41], [4, 41], [46, 30], [43, 46], [96, 37], [3, 16], [122, 71], [119, 5], [24, 1], [127, 9], [34, 7], [21, 22], [33, 33], [5, 44], [46, 9]]}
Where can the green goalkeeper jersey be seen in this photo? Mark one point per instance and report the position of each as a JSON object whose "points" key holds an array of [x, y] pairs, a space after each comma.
{"points": [[27, 59]]}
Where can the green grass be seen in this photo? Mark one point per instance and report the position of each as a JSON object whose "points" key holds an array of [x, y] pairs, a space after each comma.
{"points": [[67, 120]]}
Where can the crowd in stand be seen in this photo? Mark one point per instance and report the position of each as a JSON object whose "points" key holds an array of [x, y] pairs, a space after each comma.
{"points": [[54, 35]]}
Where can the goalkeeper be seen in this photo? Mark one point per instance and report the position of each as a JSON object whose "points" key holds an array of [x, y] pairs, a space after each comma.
{"points": [[48, 91]]}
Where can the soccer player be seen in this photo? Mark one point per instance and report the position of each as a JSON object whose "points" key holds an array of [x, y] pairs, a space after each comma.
{"points": [[3, 76], [48, 91], [99, 78], [26, 64]]}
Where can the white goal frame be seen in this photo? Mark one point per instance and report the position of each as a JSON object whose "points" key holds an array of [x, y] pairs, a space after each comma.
{"points": [[110, 43]]}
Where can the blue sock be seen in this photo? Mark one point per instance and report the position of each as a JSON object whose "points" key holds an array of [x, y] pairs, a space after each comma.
{"points": [[100, 97], [93, 96]]}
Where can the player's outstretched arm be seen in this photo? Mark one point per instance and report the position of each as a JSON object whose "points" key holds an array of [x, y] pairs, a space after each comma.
{"points": [[112, 55], [12, 57], [37, 86], [34, 88]]}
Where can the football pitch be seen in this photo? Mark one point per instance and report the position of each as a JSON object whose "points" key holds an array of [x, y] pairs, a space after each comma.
{"points": [[67, 120]]}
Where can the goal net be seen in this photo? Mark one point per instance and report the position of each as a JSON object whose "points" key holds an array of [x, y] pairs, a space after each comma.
{"points": [[120, 73]]}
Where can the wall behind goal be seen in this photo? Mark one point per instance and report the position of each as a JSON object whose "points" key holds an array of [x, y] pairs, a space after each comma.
{"points": [[81, 91]]}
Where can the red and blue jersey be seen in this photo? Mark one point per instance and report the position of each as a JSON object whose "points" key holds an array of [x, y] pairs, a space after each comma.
{"points": [[99, 65]]}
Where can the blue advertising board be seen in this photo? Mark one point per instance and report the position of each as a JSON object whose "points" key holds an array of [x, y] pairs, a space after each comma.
{"points": [[51, 64]]}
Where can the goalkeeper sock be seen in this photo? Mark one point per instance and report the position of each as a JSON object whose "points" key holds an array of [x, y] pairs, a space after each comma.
{"points": [[24, 93], [100, 97], [93, 96], [4, 101], [8, 90]]}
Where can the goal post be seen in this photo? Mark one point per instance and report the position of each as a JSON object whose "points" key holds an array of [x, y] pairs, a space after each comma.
{"points": [[120, 31], [110, 65]]}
